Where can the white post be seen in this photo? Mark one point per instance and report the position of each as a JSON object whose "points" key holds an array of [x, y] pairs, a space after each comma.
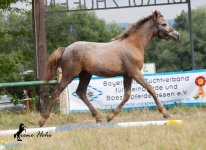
{"points": [[64, 99]]}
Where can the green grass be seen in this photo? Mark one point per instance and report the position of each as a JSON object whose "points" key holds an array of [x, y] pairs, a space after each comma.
{"points": [[191, 135], [11, 119]]}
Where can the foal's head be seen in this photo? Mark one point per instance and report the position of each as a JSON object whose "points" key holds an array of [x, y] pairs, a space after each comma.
{"points": [[163, 28]]}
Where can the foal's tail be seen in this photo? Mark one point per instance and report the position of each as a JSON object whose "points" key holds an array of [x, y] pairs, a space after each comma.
{"points": [[53, 63]]}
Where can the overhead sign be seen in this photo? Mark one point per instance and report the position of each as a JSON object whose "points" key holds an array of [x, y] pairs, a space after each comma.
{"points": [[71, 5]]}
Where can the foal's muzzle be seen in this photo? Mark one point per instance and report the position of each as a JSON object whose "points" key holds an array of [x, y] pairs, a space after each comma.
{"points": [[174, 36]]}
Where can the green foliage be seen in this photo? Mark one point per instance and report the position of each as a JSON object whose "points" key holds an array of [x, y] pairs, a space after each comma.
{"points": [[12, 42], [9, 65], [63, 29], [6, 5], [181, 22], [7, 9], [16, 37], [176, 56]]}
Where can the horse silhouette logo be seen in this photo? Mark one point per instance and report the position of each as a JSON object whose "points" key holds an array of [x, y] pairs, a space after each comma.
{"points": [[21, 129]]}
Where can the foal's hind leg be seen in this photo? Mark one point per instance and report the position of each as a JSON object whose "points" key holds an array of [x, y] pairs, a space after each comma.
{"points": [[55, 96], [81, 92], [141, 80], [127, 93]]}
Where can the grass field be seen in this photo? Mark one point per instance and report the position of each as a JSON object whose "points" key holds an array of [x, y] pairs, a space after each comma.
{"points": [[189, 136]]}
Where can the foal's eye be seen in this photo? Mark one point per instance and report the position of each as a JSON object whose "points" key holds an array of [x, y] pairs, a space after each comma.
{"points": [[164, 24]]}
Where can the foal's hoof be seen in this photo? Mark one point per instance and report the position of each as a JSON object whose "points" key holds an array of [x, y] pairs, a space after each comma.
{"points": [[109, 118], [98, 121], [166, 116], [41, 123]]}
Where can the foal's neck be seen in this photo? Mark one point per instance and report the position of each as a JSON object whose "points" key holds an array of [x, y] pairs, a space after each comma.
{"points": [[144, 35]]}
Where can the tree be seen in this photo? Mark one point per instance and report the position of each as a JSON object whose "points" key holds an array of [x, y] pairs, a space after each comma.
{"points": [[10, 30], [6, 4], [5, 7], [181, 21], [63, 29]]}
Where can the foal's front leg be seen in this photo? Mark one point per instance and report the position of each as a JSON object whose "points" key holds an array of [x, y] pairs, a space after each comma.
{"points": [[127, 93], [141, 80]]}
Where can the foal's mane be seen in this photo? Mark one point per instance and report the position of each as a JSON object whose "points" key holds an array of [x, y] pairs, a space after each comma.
{"points": [[134, 27]]}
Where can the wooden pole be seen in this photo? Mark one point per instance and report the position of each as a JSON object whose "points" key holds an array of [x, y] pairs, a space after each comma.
{"points": [[40, 48]]}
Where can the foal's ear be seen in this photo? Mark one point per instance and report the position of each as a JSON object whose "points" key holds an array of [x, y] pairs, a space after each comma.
{"points": [[156, 14]]}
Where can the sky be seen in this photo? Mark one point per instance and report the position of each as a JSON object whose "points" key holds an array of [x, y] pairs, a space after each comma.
{"points": [[131, 15]]}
